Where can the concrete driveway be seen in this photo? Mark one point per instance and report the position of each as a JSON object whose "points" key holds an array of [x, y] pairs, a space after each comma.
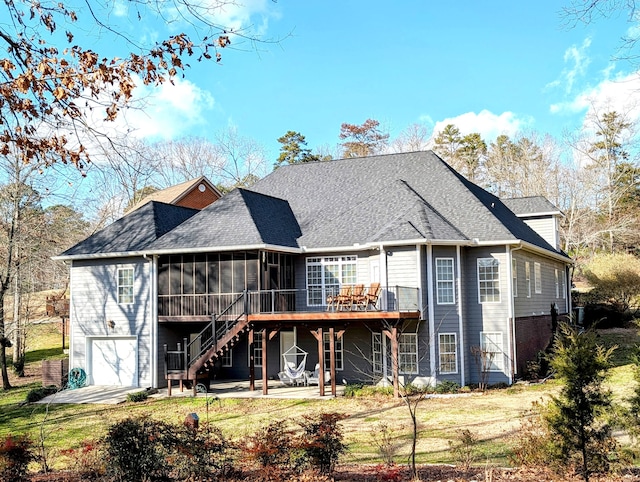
{"points": [[107, 395]]}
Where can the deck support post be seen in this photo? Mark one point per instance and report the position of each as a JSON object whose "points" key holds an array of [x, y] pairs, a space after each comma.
{"points": [[265, 381], [392, 334], [318, 335], [332, 359]]}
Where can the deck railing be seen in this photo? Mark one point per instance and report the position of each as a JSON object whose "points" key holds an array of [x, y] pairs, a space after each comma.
{"points": [[392, 298]]}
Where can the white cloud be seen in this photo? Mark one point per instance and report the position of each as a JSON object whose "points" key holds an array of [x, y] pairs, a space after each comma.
{"points": [[621, 93], [157, 113], [486, 123], [578, 60]]}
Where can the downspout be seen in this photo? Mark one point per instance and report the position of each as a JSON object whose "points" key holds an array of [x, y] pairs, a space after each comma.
{"points": [[512, 312], [432, 335], [72, 362], [460, 317]]}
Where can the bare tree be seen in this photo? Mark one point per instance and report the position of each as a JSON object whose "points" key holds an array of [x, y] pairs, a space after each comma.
{"points": [[414, 138]]}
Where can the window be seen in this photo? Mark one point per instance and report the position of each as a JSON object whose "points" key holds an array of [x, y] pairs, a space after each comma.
{"points": [[444, 281], [125, 286], [376, 352], [327, 352], [537, 271], [408, 353], [564, 284], [557, 284], [527, 275], [257, 349], [326, 275], [514, 277], [227, 358], [491, 345], [447, 347], [488, 280]]}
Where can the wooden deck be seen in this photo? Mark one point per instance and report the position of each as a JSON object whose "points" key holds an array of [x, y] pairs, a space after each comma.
{"points": [[318, 316]]}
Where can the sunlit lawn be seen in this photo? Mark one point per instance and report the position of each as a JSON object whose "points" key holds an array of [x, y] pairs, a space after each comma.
{"points": [[494, 416]]}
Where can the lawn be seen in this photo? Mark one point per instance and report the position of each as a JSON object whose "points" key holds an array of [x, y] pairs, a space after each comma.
{"points": [[494, 417]]}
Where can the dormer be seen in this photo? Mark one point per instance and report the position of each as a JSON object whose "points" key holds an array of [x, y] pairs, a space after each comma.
{"points": [[540, 215]]}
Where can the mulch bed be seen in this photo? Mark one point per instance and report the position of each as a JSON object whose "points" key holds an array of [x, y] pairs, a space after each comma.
{"points": [[401, 473]]}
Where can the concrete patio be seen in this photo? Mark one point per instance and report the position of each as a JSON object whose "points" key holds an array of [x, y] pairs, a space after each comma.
{"points": [[110, 395]]}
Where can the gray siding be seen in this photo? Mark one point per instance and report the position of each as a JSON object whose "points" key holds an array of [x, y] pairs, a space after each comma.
{"points": [[485, 317], [539, 303], [95, 312], [446, 316]]}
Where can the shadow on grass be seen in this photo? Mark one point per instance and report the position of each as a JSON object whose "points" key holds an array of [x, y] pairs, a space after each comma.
{"points": [[44, 354]]}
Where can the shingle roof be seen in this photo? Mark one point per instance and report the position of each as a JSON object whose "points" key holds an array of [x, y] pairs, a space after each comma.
{"points": [[391, 197], [530, 205], [135, 231], [322, 205], [241, 218]]}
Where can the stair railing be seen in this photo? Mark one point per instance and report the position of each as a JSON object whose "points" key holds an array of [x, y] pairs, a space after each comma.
{"points": [[219, 325]]}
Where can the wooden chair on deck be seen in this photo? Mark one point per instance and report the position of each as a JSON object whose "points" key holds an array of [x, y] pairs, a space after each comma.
{"points": [[334, 303], [372, 296], [358, 298]]}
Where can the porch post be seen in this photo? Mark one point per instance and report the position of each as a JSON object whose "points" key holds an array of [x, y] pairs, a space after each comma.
{"points": [[394, 360], [392, 334], [332, 362], [320, 338], [252, 364], [265, 385]]}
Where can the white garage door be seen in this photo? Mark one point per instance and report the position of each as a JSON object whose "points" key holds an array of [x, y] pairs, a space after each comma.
{"points": [[113, 362]]}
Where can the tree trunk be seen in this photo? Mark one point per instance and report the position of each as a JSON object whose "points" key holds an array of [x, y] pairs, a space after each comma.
{"points": [[3, 349], [17, 325]]}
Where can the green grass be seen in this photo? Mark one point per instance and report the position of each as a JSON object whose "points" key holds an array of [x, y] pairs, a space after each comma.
{"points": [[494, 417]]}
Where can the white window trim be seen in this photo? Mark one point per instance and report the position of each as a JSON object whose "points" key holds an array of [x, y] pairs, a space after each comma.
{"points": [[497, 364], [322, 261], [454, 353], [537, 274], [133, 280], [493, 260], [447, 282], [376, 340], [413, 353], [514, 276], [564, 284], [339, 349], [527, 276], [557, 278]]}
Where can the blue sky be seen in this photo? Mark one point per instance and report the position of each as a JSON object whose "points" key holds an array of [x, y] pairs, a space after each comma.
{"points": [[490, 67]]}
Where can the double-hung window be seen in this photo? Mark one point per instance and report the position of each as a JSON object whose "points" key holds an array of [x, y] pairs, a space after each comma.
{"points": [[557, 274], [514, 277], [537, 271], [376, 352], [527, 275], [327, 351], [444, 281], [408, 353], [326, 275], [447, 347], [488, 280], [125, 286], [492, 352]]}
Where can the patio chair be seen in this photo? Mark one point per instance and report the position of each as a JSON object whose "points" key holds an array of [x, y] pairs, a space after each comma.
{"points": [[343, 298], [358, 298], [372, 296], [314, 378]]}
